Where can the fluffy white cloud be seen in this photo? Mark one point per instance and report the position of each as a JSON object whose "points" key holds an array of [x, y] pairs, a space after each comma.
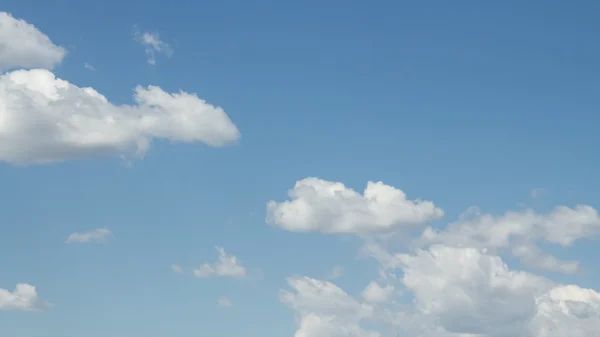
{"points": [[521, 230], [467, 292], [330, 207], [224, 302], [325, 310], [567, 311], [22, 45], [375, 293], [152, 45], [24, 297], [45, 119], [227, 265], [97, 235]]}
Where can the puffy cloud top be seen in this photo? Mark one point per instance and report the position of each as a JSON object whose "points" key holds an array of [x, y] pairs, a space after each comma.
{"points": [[22, 45], [330, 207]]}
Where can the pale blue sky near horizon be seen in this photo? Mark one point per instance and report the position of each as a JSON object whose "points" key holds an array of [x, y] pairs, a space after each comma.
{"points": [[465, 103]]}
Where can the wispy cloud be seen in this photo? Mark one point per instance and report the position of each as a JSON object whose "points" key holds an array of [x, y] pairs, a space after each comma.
{"points": [[96, 235], [226, 265], [89, 66], [152, 44], [224, 302]]}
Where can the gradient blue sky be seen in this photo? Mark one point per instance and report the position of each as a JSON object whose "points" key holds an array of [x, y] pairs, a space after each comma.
{"points": [[465, 103]]}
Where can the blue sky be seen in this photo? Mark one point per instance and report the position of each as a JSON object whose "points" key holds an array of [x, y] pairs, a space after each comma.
{"points": [[461, 104]]}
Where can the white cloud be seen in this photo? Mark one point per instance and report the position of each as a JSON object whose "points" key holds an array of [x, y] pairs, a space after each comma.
{"points": [[467, 292], [152, 45], [336, 272], [375, 293], [97, 235], [530, 255], [227, 265], [330, 207], [520, 231], [177, 268], [22, 45], [325, 310], [44, 119], [224, 302], [24, 298], [567, 311], [89, 66]]}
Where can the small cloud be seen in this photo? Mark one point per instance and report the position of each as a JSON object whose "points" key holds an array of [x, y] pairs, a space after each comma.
{"points": [[336, 272], [224, 302], [539, 192], [152, 45], [89, 66], [97, 235], [227, 265], [177, 268], [23, 298]]}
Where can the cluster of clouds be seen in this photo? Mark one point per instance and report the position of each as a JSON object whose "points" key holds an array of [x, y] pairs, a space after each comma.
{"points": [[449, 281], [46, 119], [445, 282]]}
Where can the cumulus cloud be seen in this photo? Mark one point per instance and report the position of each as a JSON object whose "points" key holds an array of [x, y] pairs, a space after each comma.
{"points": [[45, 119], [325, 310], [22, 45], [96, 235], [227, 265], [567, 310], [466, 291], [330, 207], [375, 293], [224, 302], [469, 292], [24, 298], [521, 230], [152, 45]]}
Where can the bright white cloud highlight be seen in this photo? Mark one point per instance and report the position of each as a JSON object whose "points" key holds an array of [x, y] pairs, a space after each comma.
{"points": [[152, 45], [45, 119], [22, 45], [24, 298], [227, 265], [96, 235], [325, 310], [330, 207]]}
